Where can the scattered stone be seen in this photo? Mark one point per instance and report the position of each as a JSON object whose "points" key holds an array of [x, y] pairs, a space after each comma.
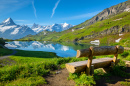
{"points": [[57, 72], [127, 63]]}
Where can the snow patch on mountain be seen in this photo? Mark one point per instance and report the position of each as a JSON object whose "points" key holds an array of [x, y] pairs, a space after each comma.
{"points": [[118, 40], [65, 25], [10, 30], [4, 28], [55, 27], [6, 20], [15, 31], [127, 9]]}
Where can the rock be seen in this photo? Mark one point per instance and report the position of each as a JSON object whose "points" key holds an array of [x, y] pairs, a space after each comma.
{"points": [[57, 72], [112, 31], [107, 13], [127, 63]]}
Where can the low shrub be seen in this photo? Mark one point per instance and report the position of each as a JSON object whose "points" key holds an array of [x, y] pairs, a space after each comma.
{"points": [[82, 79], [124, 54], [29, 81]]}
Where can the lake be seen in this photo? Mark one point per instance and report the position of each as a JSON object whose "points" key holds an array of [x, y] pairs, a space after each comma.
{"points": [[61, 49]]}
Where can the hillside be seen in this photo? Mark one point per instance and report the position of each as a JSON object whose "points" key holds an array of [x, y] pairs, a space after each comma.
{"points": [[111, 21], [112, 26], [105, 14], [115, 25]]}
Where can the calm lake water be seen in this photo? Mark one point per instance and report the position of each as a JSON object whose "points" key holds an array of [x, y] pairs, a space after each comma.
{"points": [[62, 50]]}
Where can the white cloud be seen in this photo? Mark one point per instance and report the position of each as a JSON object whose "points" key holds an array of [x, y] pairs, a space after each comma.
{"points": [[53, 11], [34, 9], [87, 15]]}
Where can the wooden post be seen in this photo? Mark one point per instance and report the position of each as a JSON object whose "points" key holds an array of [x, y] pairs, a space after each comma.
{"points": [[89, 61], [92, 70], [76, 67], [116, 55], [112, 64], [98, 51]]}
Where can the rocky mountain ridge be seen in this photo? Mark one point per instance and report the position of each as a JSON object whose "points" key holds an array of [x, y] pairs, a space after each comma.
{"points": [[105, 14], [55, 27], [112, 31], [10, 30]]}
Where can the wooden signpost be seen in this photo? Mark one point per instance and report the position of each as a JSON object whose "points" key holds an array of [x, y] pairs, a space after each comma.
{"points": [[97, 63]]}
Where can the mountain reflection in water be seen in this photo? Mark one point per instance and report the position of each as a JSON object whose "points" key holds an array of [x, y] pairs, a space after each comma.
{"points": [[62, 50]]}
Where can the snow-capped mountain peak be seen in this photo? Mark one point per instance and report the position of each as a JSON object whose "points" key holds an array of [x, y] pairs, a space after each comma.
{"points": [[10, 30], [8, 21], [65, 24], [37, 28], [55, 27]]}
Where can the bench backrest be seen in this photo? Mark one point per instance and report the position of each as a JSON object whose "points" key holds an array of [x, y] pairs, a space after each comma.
{"points": [[98, 51]]}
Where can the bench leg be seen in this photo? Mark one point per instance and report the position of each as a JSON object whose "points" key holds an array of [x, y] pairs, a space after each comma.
{"points": [[92, 70], [115, 58], [112, 64], [89, 65], [106, 70]]}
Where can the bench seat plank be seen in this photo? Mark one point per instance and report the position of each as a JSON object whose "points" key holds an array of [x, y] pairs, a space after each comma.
{"points": [[80, 66]]}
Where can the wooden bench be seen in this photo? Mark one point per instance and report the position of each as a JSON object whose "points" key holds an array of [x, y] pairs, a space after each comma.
{"points": [[89, 64]]}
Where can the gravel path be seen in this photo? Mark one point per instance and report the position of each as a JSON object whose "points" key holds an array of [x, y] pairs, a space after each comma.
{"points": [[4, 57], [59, 79]]}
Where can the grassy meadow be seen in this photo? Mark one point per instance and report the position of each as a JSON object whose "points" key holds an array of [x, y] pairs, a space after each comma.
{"points": [[30, 67], [98, 27], [120, 20], [4, 52]]}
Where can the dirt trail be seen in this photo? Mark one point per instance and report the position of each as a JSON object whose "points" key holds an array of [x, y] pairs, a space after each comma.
{"points": [[59, 79], [4, 57]]}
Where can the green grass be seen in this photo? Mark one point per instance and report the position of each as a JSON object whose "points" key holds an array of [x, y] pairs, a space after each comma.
{"points": [[31, 65], [125, 40], [98, 27], [36, 54], [118, 70], [35, 64], [28, 68], [125, 83], [82, 79], [4, 52], [31, 81], [69, 36]]}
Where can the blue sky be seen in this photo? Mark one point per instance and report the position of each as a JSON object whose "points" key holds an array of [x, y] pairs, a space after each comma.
{"points": [[47, 12]]}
